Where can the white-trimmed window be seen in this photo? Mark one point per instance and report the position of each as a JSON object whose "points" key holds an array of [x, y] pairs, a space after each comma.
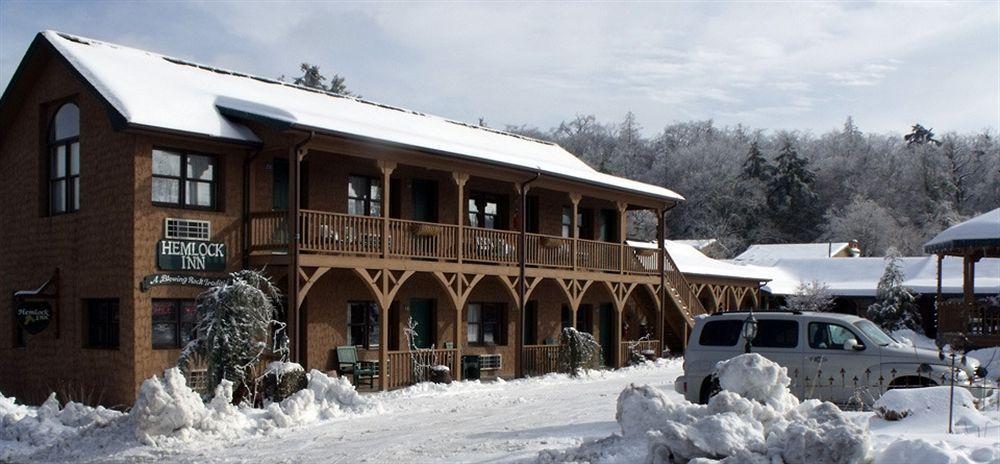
{"points": [[184, 180], [64, 160]]}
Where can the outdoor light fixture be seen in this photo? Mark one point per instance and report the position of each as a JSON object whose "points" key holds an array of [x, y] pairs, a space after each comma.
{"points": [[749, 331]]}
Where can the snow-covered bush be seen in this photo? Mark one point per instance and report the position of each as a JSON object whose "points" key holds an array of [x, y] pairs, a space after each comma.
{"points": [[281, 380], [238, 327], [755, 419], [810, 296], [895, 306], [577, 350]]}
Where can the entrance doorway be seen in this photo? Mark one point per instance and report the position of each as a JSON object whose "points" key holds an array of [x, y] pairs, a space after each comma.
{"points": [[422, 313], [606, 323]]}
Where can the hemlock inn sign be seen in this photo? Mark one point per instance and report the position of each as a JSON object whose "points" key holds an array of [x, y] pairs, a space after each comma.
{"points": [[190, 255]]}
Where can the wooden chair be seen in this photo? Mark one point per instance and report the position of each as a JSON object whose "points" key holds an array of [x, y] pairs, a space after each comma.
{"points": [[361, 371]]}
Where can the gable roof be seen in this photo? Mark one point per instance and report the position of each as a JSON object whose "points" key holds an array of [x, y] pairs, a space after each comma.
{"points": [[148, 90], [980, 231], [691, 261], [767, 254]]}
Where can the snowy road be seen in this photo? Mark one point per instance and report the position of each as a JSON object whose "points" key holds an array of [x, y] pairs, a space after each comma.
{"points": [[491, 422]]}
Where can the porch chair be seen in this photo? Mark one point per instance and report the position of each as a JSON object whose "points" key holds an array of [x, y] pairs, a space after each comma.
{"points": [[361, 371]]}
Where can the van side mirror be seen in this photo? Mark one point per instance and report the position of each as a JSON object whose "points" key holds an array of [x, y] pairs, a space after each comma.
{"points": [[852, 345]]}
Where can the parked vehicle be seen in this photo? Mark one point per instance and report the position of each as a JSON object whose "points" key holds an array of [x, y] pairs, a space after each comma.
{"points": [[834, 357]]}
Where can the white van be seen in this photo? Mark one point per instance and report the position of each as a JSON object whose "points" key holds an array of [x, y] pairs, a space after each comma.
{"points": [[834, 357]]}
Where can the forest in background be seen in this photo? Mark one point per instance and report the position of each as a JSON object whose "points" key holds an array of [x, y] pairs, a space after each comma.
{"points": [[745, 186]]}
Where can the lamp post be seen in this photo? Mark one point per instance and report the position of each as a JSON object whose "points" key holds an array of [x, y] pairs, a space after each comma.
{"points": [[749, 332]]}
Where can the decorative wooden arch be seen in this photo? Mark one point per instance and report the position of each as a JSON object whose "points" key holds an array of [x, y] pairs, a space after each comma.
{"points": [[459, 286], [512, 283], [307, 280], [741, 296], [711, 294], [383, 283], [574, 290], [620, 292], [654, 293]]}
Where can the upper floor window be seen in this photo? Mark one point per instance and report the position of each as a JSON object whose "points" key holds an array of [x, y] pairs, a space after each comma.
{"points": [[486, 211], [364, 196], [567, 221], [184, 179], [64, 160]]}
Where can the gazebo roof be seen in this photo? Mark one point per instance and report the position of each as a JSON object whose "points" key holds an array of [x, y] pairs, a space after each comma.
{"points": [[979, 233]]}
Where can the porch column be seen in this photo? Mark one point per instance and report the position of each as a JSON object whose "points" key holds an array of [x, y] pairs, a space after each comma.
{"points": [[386, 167], [619, 314], [661, 318], [940, 257], [575, 233], [622, 232], [968, 282], [295, 155], [457, 376], [383, 342], [460, 179]]}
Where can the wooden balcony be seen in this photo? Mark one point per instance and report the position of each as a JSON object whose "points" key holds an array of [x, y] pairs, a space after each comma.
{"points": [[348, 235], [961, 323]]}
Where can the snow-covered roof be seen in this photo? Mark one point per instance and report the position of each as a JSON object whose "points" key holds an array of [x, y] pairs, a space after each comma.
{"points": [[154, 91], [698, 243], [860, 276], [767, 254], [691, 261], [980, 231]]}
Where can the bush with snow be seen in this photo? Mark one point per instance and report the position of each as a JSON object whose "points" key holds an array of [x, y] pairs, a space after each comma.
{"points": [[812, 296], [755, 419], [577, 350]]}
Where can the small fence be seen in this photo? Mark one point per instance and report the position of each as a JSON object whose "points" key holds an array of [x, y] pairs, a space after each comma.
{"points": [[637, 347], [540, 359], [412, 367]]}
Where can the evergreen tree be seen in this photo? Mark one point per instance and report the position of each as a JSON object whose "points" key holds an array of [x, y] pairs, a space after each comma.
{"points": [[577, 350], [790, 194], [895, 306], [919, 135], [312, 78], [238, 326], [756, 165]]}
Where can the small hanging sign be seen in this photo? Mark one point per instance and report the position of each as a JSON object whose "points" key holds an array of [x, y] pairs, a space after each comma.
{"points": [[34, 316]]}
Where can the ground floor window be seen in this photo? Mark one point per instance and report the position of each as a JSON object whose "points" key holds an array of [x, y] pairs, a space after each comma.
{"points": [[362, 324], [173, 322], [486, 324], [101, 323]]}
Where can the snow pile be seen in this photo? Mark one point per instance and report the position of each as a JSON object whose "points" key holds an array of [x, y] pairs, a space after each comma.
{"points": [[169, 408], [754, 419], [929, 401], [925, 452], [989, 358], [48, 423]]}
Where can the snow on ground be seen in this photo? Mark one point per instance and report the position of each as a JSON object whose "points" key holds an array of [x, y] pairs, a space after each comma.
{"points": [[463, 422]]}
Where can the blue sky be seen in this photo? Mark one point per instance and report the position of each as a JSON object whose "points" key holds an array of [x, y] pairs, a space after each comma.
{"points": [[804, 66]]}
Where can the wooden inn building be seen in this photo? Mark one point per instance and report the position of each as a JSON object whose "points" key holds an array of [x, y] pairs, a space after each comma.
{"points": [[135, 180]]}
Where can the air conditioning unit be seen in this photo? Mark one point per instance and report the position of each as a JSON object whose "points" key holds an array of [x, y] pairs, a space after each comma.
{"points": [[187, 229], [490, 362]]}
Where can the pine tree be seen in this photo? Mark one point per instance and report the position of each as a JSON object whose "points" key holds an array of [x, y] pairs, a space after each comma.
{"points": [[756, 165], [238, 326], [577, 350], [895, 306], [312, 78], [919, 135], [790, 193]]}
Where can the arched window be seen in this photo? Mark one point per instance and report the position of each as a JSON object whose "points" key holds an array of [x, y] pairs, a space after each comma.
{"points": [[64, 160]]}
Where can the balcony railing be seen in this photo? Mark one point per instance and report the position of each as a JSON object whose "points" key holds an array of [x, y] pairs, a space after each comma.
{"points": [[959, 317], [344, 234]]}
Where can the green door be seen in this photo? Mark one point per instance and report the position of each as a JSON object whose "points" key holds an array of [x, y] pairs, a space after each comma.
{"points": [[606, 319], [422, 312]]}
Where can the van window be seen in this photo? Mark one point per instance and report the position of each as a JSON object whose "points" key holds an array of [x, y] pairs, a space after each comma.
{"points": [[776, 333], [721, 333], [827, 336]]}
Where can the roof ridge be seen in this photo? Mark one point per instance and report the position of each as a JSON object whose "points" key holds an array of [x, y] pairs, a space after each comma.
{"points": [[220, 70]]}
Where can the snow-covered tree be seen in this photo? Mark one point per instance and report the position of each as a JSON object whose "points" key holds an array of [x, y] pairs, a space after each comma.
{"points": [[895, 306], [756, 166], [577, 350], [810, 296], [238, 327], [312, 78]]}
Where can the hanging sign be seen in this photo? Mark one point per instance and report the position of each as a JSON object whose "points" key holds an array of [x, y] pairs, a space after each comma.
{"points": [[34, 316], [153, 280], [190, 255]]}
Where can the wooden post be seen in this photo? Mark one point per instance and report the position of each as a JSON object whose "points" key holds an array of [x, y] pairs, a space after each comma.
{"points": [[575, 233], [457, 376], [969, 283], [661, 267], [619, 362], [940, 257], [383, 337], [460, 179], [295, 155], [386, 167], [622, 232]]}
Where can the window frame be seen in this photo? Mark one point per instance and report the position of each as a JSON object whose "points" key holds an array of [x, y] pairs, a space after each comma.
{"points": [[796, 334], [113, 323], [71, 200], [566, 222], [368, 326], [183, 180], [481, 200], [177, 322], [367, 198], [499, 313]]}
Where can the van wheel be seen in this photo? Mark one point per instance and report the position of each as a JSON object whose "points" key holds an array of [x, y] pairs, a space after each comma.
{"points": [[709, 388]]}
